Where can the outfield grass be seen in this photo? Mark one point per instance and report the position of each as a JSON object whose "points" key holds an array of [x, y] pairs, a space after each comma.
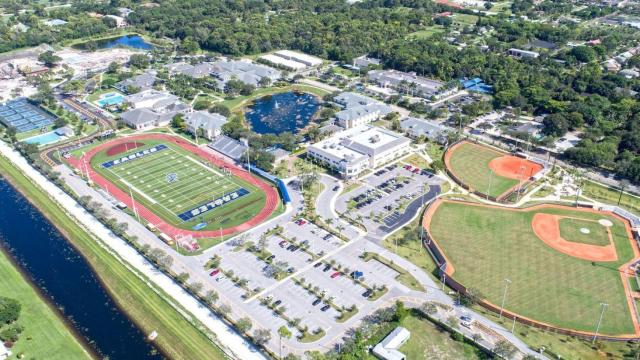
{"points": [[178, 338], [570, 231], [470, 163], [487, 245], [45, 334], [195, 186]]}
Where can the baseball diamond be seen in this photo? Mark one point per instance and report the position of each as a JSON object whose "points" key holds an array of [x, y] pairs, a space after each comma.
{"points": [[486, 170], [557, 277]]}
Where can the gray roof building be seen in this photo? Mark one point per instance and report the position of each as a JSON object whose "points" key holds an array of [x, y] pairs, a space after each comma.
{"points": [[229, 147], [358, 109], [210, 123], [142, 82], [415, 127], [421, 86], [195, 71], [245, 71]]}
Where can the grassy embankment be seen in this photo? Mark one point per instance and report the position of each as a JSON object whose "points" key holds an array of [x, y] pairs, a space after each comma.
{"points": [[150, 309], [45, 333]]}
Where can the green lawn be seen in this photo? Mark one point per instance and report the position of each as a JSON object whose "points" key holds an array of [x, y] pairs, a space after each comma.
{"points": [[487, 245], [470, 163], [570, 230], [610, 196], [429, 342], [427, 32], [45, 334], [179, 338], [196, 185]]}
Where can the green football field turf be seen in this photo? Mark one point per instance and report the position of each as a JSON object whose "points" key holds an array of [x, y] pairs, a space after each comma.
{"points": [[172, 181], [570, 231], [470, 163], [487, 245]]}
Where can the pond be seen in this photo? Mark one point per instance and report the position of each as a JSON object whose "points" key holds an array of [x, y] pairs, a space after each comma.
{"points": [[132, 41], [65, 278], [283, 112]]}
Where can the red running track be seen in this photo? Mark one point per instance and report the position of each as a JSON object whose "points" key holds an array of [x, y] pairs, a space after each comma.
{"points": [[271, 194]]}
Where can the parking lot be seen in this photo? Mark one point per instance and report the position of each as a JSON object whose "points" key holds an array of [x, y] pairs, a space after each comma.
{"points": [[383, 201]]}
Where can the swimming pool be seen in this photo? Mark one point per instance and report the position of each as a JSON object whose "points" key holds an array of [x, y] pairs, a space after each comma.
{"points": [[110, 99], [44, 139]]}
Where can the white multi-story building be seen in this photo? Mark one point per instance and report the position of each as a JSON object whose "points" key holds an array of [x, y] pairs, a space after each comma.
{"points": [[353, 151], [291, 60]]}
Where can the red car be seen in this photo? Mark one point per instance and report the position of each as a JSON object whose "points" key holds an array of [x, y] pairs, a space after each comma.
{"points": [[335, 274], [416, 170], [214, 272], [407, 167], [301, 222]]}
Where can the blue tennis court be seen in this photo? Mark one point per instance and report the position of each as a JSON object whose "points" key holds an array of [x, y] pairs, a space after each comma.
{"points": [[24, 116]]}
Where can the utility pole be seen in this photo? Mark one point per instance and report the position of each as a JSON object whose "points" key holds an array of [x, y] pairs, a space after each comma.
{"points": [[504, 295], [603, 306], [490, 179]]}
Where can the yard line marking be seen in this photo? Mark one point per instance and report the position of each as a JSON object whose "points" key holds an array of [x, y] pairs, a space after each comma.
{"points": [[138, 191]]}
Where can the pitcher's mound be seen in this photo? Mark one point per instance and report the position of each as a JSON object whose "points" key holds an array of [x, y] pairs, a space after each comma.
{"points": [[605, 222], [585, 230]]}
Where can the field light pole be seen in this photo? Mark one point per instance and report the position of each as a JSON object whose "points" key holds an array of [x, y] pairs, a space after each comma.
{"points": [[504, 295], [490, 179], [603, 306]]}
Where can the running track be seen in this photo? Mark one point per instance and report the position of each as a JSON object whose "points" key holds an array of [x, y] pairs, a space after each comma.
{"points": [[271, 194]]}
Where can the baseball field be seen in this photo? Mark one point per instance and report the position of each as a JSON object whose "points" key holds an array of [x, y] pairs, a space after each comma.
{"points": [[559, 263], [487, 170]]}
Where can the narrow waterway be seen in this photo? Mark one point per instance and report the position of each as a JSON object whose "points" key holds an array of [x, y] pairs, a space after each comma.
{"points": [[67, 280]]}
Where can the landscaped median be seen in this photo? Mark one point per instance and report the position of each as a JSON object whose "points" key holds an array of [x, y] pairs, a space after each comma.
{"points": [[148, 308]]}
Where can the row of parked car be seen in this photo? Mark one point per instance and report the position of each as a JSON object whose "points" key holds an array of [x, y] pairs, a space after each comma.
{"points": [[417, 170], [366, 198], [385, 169]]}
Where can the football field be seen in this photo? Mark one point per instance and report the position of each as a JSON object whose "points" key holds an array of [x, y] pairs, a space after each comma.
{"points": [[180, 187]]}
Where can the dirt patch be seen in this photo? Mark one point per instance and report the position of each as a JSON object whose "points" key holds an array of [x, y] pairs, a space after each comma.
{"points": [[123, 147], [547, 228], [514, 167]]}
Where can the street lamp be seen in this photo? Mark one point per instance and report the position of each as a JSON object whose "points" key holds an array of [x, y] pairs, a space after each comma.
{"points": [[504, 295], [603, 306]]}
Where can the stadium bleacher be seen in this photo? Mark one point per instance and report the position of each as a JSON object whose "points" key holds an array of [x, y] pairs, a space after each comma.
{"points": [[24, 116], [228, 147]]}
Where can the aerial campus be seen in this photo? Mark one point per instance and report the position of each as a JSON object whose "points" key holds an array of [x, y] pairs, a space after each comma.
{"points": [[451, 179]]}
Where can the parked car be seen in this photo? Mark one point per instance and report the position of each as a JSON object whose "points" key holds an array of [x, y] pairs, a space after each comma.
{"points": [[214, 272], [335, 274], [336, 188], [282, 243], [367, 294], [326, 268], [317, 301], [317, 265], [325, 308], [277, 302], [271, 257]]}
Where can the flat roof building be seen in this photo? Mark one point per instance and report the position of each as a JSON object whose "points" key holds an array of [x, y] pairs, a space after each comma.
{"points": [[291, 60], [522, 54], [353, 151], [229, 147]]}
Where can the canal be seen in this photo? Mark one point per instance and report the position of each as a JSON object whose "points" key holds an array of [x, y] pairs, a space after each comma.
{"points": [[67, 280]]}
